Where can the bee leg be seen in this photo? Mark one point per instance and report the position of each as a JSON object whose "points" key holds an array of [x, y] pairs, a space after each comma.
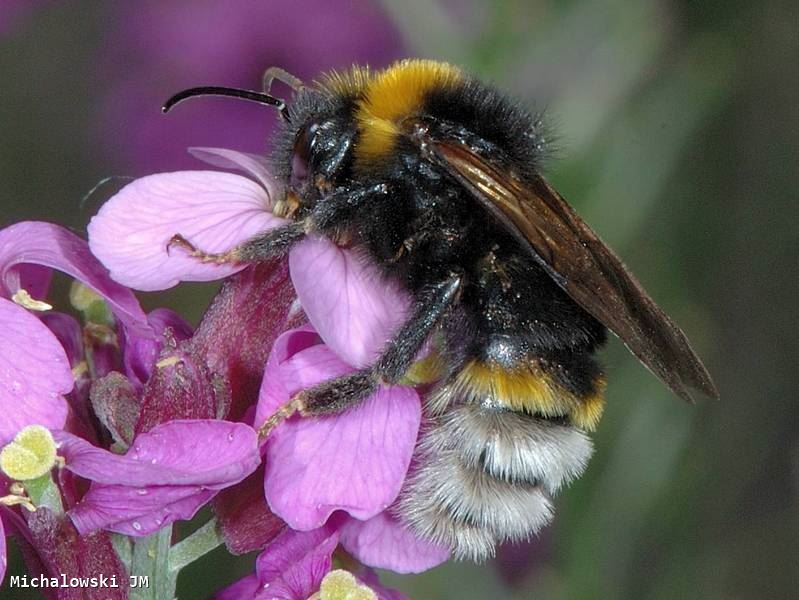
{"points": [[328, 217], [271, 244], [337, 395]]}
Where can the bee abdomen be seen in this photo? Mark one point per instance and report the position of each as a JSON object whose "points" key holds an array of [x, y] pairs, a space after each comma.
{"points": [[485, 476]]}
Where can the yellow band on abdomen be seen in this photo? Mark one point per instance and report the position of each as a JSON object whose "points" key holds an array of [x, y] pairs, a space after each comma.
{"points": [[531, 390]]}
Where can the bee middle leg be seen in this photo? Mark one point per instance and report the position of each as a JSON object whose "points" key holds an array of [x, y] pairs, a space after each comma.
{"points": [[337, 395]]}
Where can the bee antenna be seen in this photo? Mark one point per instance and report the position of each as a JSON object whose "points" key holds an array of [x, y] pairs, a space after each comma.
{"points": [[259, 97]]}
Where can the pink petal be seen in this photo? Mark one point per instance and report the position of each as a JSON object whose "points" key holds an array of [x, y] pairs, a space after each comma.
{"points": [[33, 278], [212, 454], [350, 304], [68, 332], [384, 543], [136, 511], [140, 353], [35, 243], [284, 376], [34, 373], [354, 462], [293, 566], [251, 164], [214, 211]]}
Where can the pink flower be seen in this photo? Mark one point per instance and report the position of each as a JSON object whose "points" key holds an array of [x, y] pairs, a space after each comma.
{"points": [[166, 474], [349, 467], [353, 463], [293, 568]]}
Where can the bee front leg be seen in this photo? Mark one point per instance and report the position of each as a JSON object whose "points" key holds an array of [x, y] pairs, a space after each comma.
{"points": [[331, 214], [263, 247], [339, 394]]}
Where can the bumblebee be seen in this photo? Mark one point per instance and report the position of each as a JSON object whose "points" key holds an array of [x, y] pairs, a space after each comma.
{"points": [[436, 178]]}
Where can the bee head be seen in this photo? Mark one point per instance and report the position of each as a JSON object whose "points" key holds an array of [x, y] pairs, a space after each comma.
{"points": [[314, 147], [320, 151]]}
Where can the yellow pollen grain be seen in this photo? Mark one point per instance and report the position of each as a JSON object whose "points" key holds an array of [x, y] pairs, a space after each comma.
{"points": [[169, 361], [25, 300], [80, 369]]}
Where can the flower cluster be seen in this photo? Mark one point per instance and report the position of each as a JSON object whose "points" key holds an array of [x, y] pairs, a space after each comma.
{"points": [[92, 387], [150, 421]]}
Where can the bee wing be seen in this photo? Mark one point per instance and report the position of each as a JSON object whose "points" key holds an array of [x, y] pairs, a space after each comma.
{"points": [[590, 272]]}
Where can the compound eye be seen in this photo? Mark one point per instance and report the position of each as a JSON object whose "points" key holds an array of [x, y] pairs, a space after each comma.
{"points": [[301, 158]]}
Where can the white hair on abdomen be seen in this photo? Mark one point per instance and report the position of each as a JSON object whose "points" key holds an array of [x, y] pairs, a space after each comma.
{"points": [[484, 475]]}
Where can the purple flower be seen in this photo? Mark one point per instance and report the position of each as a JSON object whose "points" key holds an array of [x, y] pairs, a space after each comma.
{"points": [[34, 373], [158, 48], [168, 471], [355, 462], [295, 566], [349, 467], [167, 474]]}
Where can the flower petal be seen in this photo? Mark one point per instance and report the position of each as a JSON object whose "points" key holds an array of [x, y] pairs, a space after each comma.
{"points": [[141, 353], [293, 566], [384, 543], [34, 373], [35, 279], [284, 377], [137, 511], [68, 332], [251, 164], [354, 309], [354, 462], [212, 454], [214, 211], [53, 246]]}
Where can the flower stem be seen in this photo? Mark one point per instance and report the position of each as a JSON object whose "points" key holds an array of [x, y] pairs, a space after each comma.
{"points": [[199, 543], [124, 549], [151, 558]]}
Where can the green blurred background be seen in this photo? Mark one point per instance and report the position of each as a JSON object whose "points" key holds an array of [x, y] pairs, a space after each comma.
{"points": [[677, 135]]}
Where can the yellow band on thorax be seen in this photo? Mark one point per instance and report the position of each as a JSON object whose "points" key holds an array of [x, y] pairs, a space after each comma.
{"points": [[392, 95]]}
